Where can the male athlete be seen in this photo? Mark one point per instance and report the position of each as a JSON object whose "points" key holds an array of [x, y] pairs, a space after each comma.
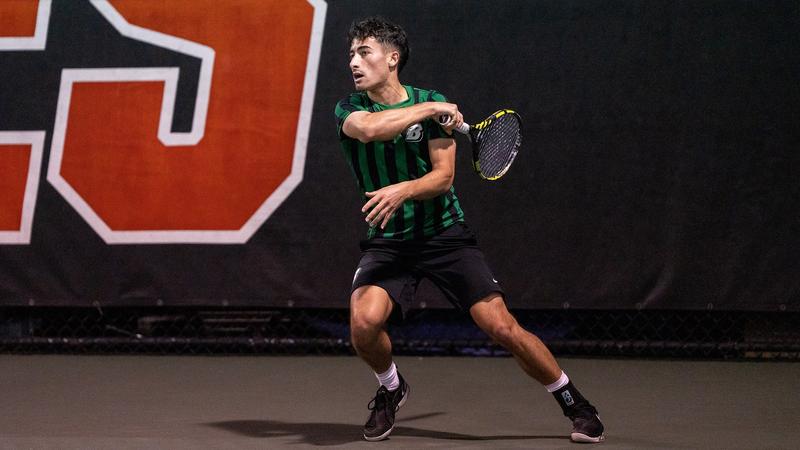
{"points": [[404, 163]]}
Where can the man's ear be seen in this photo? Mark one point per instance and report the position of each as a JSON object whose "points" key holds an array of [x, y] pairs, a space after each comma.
{"points": [[394, 58]]}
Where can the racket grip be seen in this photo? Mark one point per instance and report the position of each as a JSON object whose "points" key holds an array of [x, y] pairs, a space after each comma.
{"points": [[463, 128]]}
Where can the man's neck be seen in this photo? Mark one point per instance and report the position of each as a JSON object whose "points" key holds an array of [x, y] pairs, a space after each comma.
{"points": [[389, 93]]}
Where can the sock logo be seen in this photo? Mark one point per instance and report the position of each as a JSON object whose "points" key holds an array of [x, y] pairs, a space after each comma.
{"points": [[567, 398]]}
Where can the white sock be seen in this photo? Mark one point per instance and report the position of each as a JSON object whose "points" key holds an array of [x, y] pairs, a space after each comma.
{"points": [[561, 382], [389, 378]]}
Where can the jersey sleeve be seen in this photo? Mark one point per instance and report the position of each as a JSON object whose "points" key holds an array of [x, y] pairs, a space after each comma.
{"points": [[435, 130], [344, 107]]}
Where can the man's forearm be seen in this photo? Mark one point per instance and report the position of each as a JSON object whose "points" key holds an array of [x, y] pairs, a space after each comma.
{"points": [[383, 203], [432, 184], [386, 125]]}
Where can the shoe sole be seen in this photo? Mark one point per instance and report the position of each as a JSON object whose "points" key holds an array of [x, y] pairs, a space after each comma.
{"points": [[389, 431], [582, 438]]}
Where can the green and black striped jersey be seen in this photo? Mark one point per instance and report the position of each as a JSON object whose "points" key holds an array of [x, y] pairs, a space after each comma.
{"points": [[381, 163]]}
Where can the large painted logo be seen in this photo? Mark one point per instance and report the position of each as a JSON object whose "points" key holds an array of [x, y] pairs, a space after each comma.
{"points": [[175, 122]]}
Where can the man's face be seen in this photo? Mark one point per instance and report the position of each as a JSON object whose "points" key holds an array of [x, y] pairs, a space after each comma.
{"points": [[370, 63]]}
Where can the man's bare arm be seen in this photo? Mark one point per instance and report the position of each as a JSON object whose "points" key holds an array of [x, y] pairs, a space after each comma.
{"points": [[386, 125]]}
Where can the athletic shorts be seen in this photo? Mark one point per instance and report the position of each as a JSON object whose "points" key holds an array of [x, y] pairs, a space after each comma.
{"points": [[451, 260]]}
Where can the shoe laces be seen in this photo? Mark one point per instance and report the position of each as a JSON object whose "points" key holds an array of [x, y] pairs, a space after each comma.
{"points": [[381, 399]]}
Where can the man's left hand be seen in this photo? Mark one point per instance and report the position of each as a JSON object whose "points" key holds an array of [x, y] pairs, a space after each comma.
{"points": [[383, 203]]}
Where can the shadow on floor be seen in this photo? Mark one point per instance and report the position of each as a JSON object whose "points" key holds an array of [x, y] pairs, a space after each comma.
{"points": [[341, 433]]}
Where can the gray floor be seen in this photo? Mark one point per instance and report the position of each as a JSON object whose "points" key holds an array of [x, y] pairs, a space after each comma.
{"points": [[151, 402]]}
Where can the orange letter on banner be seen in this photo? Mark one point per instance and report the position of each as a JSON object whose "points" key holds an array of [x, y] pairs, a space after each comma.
{"points": [[18, 18], [23, 26], [20, 164], [116, 159], [14, 161]]}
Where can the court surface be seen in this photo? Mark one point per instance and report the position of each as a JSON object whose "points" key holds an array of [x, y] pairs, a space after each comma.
{"points": [[235, 402]]}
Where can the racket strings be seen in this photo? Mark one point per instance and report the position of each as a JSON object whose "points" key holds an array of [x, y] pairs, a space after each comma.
{"points": [[498, 145]]}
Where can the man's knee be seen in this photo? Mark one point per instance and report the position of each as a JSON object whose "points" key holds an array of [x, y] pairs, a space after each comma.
{"points": [[370, 308], [503, 332], [365, 323], [493, 318]]}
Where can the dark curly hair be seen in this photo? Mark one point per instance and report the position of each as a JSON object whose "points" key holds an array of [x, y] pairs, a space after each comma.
{"points": [[385, 32]]}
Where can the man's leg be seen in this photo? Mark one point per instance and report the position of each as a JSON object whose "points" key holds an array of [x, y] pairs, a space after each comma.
{"points": [[370, 308], [535, 358]]}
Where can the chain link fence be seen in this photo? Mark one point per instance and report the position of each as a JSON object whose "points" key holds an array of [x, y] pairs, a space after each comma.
{"points": [[284, 331]]}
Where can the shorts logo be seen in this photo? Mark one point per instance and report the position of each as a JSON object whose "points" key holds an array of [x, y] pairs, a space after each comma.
{"points": [[567, 398], [414, 133]]}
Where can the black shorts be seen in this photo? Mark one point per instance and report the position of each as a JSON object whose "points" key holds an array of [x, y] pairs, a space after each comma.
{"points": [[451, 260]]}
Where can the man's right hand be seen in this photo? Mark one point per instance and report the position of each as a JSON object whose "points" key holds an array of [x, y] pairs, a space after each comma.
{"points": [[451, 112]]}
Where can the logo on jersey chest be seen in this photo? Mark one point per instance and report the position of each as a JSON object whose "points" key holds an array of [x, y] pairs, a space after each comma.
{"points": [[413, 133]]}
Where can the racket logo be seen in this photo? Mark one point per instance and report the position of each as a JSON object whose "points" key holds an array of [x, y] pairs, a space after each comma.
{"points": [[414, 133], [484, 124]]}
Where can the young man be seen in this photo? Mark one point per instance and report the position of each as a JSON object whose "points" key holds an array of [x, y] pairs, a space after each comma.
{"points": [[404, 161]]}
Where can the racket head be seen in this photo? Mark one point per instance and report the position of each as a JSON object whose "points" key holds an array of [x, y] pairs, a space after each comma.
{"points": [[495, 143]]}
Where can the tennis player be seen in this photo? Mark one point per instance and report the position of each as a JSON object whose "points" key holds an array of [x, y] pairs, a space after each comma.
{"points": [[404, 163]]}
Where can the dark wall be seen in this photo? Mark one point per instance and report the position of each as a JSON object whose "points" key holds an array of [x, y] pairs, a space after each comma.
{"points": [[659, 168]]}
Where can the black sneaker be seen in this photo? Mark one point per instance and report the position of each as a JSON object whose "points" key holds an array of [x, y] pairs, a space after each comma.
{"points": [[586, 426], [381, 420]]}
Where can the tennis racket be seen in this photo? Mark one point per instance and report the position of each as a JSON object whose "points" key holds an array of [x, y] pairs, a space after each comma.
{"points": [[495, 142]]}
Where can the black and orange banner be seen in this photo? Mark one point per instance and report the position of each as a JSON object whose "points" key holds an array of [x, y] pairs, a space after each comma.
{"points": [[184, 152]]}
